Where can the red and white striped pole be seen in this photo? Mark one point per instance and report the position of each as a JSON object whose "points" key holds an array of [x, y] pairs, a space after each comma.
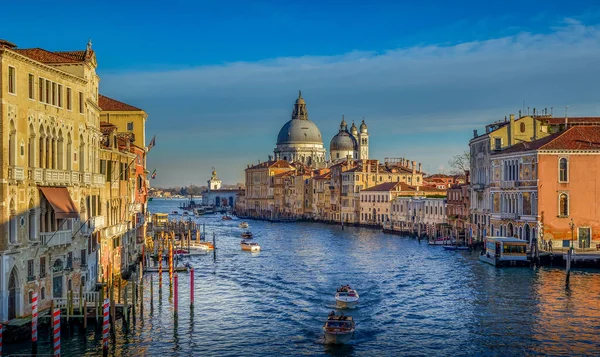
{"points": [[191, 287], [56, 325], [106, 308], [34, 322], [171, 263], [176, 296]]}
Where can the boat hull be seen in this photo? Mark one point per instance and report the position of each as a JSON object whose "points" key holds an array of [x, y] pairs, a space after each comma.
{"points": [[453, 247], [338, 338], [348, 304]]}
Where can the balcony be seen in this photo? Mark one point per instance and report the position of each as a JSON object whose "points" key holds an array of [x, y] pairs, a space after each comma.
{"points": [[54, 239], [86, 178], [115, 230], [508, 216], [36, 175], [57, 177], [477, 186], [16, 173], [93, 224], [98, 179], [507, 184]]}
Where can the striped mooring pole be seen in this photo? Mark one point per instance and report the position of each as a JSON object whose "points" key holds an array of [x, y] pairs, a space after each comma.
{"points": [[160, 252], [56, 331], [106, 308], [171, 263], [34, 322]]}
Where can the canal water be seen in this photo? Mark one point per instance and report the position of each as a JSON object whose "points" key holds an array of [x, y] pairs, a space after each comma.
{"points": [[415, 300]]}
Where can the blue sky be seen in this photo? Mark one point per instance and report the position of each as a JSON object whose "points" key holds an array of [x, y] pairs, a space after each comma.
{"points": [[218, 79]]}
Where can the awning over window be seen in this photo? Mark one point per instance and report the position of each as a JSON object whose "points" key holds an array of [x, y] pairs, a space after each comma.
{"points": [[61, 201]]}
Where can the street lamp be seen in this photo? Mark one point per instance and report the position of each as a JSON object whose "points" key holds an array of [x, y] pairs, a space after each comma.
{"points": [[572, 225]]}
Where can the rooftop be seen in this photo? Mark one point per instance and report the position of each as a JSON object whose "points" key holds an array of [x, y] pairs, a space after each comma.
{"points": [[109, 104], [574, 138]]}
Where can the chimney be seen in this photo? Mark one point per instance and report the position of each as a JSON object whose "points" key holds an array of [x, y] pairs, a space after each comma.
{"points": [[419, 167], [534, 112], [511, 128], [535, 128], [475, 133], [414, 170], [467, 175]]}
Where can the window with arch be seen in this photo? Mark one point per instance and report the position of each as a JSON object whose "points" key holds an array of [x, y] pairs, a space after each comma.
{"points": [[522, 127], [563, 205], [563, 166]]}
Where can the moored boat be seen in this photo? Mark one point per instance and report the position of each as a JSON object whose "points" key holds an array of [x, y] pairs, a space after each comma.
{"points": [[505, 251], [441, 241], [244, 225], [456, 247], [338, 329], [346, 297], [226, 218], [247, 235], [250, 246]]}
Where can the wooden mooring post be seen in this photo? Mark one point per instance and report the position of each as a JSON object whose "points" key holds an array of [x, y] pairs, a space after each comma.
{"points": [[569, 257]]}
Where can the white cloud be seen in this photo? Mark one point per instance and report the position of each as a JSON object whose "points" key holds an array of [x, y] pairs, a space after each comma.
{"points": [[236, 109]]}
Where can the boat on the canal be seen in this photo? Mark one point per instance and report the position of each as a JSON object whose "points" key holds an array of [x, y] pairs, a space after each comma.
{"points": [[456, 247], [250, 246], [226, 218], [247, 235], [244, 225], [346, 297], [200, 247], [338, 329], [505, 251], [441, 241], [175, 213]]}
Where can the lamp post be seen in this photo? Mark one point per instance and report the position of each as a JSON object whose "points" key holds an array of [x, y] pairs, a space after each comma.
{"points": [[572, 225]]}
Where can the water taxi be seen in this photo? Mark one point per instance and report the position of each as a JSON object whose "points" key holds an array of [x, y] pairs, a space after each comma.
{"points": [[250, 246], [505, 251], [338, 329], [200, 247], [247, 235], [346, 297], [244, 225]]}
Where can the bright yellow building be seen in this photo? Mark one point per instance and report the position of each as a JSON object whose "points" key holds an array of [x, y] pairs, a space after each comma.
{"points": [[127, 118]]}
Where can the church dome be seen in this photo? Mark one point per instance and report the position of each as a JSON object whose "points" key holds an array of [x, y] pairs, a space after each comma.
{"points": [[343, 141], [299, 131], [354, 130]]}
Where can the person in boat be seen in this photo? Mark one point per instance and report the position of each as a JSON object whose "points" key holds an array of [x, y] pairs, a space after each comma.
{"points": [[331, 314]]}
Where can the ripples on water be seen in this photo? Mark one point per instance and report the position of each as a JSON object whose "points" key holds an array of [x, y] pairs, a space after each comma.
{"points": [[416, 300]]}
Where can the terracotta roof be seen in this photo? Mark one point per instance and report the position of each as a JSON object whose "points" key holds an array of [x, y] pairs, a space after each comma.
{"points": [[574, 120], [48, 57], [387, 186], [107, 103], [574, 138], [324, 176]]}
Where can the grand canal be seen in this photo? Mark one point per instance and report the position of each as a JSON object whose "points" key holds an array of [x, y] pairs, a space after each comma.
{"points": [[416, 300]]}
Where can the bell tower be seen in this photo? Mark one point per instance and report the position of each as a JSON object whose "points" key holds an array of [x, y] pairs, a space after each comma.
{"points": [[214, 183], [363, 142]]}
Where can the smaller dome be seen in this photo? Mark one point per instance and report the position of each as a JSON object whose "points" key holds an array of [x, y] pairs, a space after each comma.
{"points": [[214, 173], [343, 141], [363, 127], [353, 129]]}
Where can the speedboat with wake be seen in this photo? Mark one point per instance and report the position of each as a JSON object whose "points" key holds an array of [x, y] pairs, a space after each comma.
{"points": [[244, 225], [346, 297], [338, 329], [250, 246]]}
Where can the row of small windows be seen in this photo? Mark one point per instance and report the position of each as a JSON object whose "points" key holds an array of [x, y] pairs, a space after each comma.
{"points": [[374, 198], [49, 92], [428, 210]]}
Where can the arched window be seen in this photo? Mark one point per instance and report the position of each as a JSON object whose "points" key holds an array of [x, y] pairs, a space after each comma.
{"points": [[563, 205], [562, 170], [522, 127]]}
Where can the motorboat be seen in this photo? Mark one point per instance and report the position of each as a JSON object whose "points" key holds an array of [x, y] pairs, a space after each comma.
{"points": [[226, 218], [244, 225], [505, 251], [338, 329], [247, 235], [250, 246], [200, 247], [174, 212], [346, 297], [456, 247], [186, 213], [441, 241]]}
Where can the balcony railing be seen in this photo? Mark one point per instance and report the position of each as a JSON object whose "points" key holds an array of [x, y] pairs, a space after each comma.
{"points": [[508, 215], [16, 173], [116, 229], [87, 178], [98, 179], [477, 186], [57, 177], [53, 239], [507, 184]]}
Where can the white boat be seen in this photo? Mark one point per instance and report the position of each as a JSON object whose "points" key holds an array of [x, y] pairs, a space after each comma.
{"points": [[346, 297], [200, 247], [442, 241], [244, 225], [505, 251], [250, 246], [338, 329]]}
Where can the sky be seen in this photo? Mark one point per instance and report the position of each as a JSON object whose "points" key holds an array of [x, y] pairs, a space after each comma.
{"points": [[218, 78]]}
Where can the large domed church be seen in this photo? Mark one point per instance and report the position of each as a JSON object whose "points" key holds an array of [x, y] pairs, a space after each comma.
{"points": [[300, 140]]}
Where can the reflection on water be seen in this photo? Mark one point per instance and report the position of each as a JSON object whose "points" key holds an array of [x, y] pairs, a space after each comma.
{"points": [[416, 300]]}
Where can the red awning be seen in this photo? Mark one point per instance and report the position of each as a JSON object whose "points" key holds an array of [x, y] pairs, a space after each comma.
{"points": [[61, 201]]}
